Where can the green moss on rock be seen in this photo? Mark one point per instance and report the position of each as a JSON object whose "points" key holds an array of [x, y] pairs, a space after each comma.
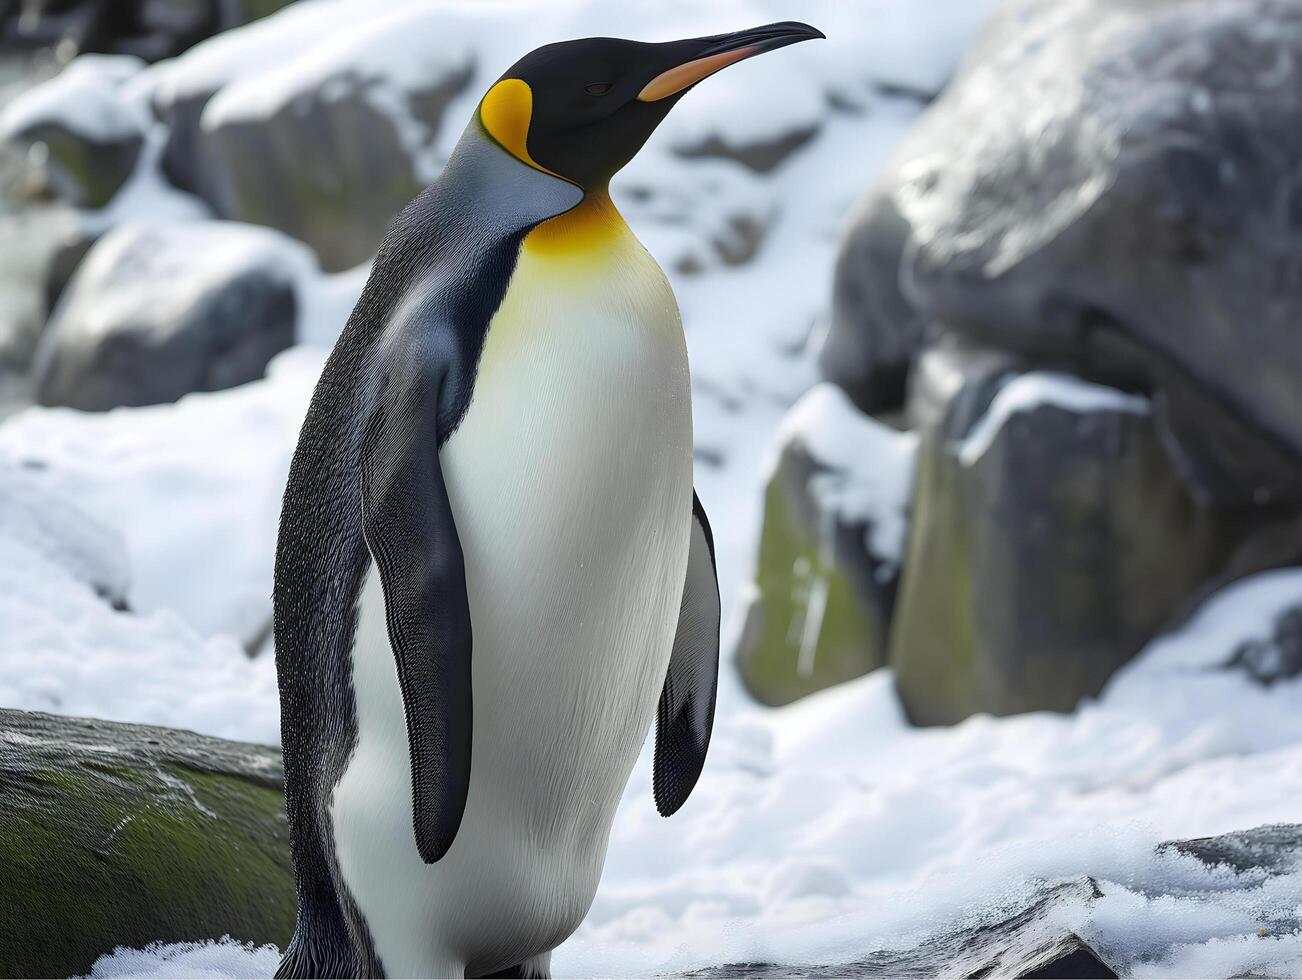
{"points": [[124, 835], [83, 172], [810, 624]]}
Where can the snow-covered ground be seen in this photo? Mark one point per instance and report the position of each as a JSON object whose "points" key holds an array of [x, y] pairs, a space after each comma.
{"points": [[818, 831], [830, 828]]}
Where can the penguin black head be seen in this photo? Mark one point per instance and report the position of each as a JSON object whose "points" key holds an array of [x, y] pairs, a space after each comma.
{"points": [[581, 109]]}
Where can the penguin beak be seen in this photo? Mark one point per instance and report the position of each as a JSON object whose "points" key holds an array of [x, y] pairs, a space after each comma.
{"points": [[722, 50]]}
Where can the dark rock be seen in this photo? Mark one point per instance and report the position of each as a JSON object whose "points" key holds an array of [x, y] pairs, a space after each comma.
{"points": [[760, 156], [115, 834], [1128, 206], [149, 29], [63, 262], [956, 380], [329, 168], [820, 607], [875, 331], [158, 311], [1051, 540]]}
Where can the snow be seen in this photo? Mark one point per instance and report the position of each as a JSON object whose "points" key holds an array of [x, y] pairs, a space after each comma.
{"points": [[818, 832], [193, 488], [227, 958], [50, 525], [65, 649], [1036, 389], [868, 475]]}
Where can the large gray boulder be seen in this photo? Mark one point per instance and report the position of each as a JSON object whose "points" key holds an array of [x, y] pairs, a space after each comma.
{"points": [[157, 311], [329, 160], [123, 835], [1129, 205], [1052, 538], [824, 582]]}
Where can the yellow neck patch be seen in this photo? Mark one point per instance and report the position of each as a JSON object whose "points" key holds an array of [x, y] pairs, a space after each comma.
{"points": [[505, 112], [595, 224]]}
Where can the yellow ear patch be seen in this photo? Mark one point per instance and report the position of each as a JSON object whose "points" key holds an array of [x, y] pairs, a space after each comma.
{"points": [[505, 112]]}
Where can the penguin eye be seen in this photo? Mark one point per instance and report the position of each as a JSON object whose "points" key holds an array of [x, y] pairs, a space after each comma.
{"points": [[597, 88]]}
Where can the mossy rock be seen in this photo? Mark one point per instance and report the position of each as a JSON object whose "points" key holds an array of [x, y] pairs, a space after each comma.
{"points": [[122, 835], [1047, 553], [81, 171], [820, 609]]}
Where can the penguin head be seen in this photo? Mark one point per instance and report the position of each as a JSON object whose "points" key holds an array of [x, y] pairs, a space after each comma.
{"points": [[582, 109]]}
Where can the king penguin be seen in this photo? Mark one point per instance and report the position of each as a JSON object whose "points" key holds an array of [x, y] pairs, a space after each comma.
{"points": [[493, 570]]}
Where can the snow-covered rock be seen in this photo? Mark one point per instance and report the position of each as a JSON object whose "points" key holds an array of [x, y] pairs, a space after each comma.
{"points": [[835, 518], [157, 311], [324, 119], [87, 126]]}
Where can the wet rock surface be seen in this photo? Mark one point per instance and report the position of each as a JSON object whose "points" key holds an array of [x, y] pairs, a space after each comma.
{"points": [[115, 834]]}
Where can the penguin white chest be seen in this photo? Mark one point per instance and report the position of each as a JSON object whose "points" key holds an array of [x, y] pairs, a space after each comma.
{"points": [[570, 479]]}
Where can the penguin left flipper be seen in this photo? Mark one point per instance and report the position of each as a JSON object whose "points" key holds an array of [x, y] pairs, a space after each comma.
{"points": [[686, 712], [408, 525]]}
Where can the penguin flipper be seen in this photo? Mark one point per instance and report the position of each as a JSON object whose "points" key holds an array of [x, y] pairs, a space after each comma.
{"points": [[408, 525], [686, 712]]}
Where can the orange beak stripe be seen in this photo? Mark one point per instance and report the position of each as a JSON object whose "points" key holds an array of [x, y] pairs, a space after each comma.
{"points": [[676, 79]]}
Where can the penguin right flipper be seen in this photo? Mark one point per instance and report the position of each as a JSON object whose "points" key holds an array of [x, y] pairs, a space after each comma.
{"points": [[408, 525], [685, 716]]}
